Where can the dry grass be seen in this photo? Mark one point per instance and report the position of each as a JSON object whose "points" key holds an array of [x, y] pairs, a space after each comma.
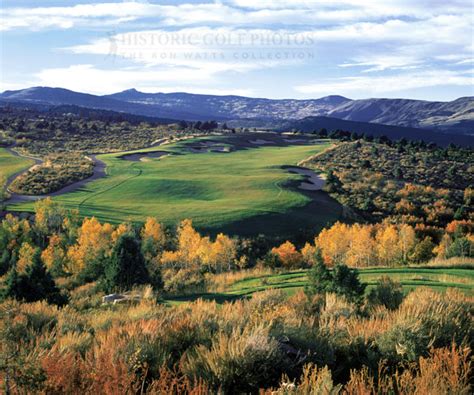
{"points": [[452, 262], [223, 281], [294, 345]]}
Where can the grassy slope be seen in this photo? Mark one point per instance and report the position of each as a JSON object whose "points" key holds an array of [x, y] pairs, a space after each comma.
{"points": [[438, 279], [231, 192], [10, 164]]}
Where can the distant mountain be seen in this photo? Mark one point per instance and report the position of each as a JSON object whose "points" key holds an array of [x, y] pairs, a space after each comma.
{"points": [[59, 96], [232, 107], [454, 117], [457, 115], [310, 124]]}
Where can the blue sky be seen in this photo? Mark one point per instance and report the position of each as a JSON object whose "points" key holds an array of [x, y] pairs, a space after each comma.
{"points": [[268, 48]]}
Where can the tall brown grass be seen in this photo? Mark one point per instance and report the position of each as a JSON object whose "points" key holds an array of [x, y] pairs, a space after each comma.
{"points": [[271, 342]]}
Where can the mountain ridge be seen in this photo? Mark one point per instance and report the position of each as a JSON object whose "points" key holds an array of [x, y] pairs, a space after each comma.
{"points": [[456, 116]]}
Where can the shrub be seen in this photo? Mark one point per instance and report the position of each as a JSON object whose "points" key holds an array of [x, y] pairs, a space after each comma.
{"points": [[183, 281], [238, 362], [386, 293], [423, 251], [314, 380]]}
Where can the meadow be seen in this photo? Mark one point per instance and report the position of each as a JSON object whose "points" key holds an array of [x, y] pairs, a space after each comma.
{"points": [[10, 165], [244, 192]]}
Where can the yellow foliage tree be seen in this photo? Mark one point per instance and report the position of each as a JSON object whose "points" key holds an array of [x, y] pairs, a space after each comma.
{"points": [[54, 256], [49, 216], [223, 253], [17, 231], [94, 242], [361, 246], [334, 243], [25, 257], [406, 241], [387, 244], [119, 231], [442, 248], [308, 254], [189, 243], [153, 236]]}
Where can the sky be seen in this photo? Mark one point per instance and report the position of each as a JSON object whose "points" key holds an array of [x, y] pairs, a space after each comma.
{"points": [[298, 49]]}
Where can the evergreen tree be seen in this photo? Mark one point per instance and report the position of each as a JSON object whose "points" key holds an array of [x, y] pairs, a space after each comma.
{"points": [[319, 277], [345, 281], [461, 247], [341, 281], [12, 286], [35, 284], [126, 266], [4, 262]]}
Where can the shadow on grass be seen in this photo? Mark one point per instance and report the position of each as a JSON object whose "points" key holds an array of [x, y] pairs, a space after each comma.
{"points": [[217, 297], [297, 224]]}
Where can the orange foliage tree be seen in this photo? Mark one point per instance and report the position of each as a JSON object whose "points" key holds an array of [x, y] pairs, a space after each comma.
{"points": [[288, 255]]}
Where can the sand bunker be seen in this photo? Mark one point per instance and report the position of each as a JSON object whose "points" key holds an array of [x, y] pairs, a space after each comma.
{"points": [[221, 149], [313, 181], [261, 142], [208, 143], [208, 148], [296, 140], [140, 156]]}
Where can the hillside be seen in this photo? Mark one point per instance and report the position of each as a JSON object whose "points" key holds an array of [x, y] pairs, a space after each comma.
{"points": [[310, 124], [457, 115]]}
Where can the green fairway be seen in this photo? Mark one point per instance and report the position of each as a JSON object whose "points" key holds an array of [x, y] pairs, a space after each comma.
{"points": [[11, 164], [439, 279], [243, 192]]}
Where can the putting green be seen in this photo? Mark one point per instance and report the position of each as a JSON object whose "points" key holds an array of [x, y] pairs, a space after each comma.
{"points": [[242, 192]]}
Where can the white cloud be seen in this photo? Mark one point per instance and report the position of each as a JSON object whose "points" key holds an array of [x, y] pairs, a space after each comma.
{"points": [[373, 63], [210, 51], [380, 85], [376, 37], [237, 12], [405, 45]]}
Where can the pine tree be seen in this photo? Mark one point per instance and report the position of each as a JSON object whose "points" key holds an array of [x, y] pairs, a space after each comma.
{"points": [[126, 267], [346, 282], [319, 277], [40, 283], [36, 283], [4, 262], [12, 286]]}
